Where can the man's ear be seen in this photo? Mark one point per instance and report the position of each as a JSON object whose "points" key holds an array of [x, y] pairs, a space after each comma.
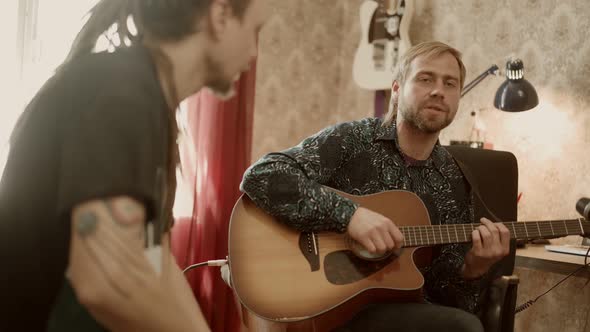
{"points": [[395, 90], [395, 86]]}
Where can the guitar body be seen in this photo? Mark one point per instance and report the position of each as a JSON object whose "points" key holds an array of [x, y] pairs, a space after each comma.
{"points": [[378, 51], [285, 276]]}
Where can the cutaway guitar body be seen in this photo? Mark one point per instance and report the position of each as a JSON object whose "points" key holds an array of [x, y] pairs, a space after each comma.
{"points": [[314, 281], [287, 276]]}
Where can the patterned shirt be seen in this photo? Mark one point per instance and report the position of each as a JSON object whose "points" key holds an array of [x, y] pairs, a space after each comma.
{"points": [[363, 157]]}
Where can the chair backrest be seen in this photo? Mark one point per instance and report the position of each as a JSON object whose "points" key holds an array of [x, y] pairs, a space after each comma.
{"points": [[496, 174]]}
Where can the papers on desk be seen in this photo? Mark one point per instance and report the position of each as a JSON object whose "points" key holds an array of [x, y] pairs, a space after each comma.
{"points": [[568, 249]]}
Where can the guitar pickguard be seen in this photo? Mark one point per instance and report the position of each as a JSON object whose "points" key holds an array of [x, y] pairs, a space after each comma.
{"points": [[344, 267]]}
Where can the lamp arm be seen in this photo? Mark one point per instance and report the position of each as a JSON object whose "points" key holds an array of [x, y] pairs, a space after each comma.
{"points": [[490, 71]]}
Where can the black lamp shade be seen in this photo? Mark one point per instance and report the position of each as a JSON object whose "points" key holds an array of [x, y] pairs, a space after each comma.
{"points": [[516, 94]]}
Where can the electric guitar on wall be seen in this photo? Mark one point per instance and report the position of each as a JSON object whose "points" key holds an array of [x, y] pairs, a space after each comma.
{"points": [[287, 276], [384, 37]]}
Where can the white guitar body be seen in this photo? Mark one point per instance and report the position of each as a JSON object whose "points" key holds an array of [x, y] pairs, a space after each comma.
{"points": [[373, 64]]}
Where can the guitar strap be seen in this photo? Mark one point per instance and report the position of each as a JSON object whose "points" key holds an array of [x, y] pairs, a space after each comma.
{"points": [[473, 184]]}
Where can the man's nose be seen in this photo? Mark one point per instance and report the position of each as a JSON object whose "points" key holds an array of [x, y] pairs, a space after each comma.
{"points": [[437, 90]]}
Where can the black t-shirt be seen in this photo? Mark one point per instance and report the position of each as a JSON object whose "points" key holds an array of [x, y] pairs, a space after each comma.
{"points": [[98, 128]]}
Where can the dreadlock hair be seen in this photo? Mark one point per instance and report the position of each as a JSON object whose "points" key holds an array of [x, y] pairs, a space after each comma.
{"points": [[163, 20]]}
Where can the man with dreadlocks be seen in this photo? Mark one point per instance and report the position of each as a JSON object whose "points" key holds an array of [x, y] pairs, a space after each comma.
{"points": [[93, 159]]}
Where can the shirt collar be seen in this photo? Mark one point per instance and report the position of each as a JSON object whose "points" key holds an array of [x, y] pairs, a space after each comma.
{"points": [[389, 133]]}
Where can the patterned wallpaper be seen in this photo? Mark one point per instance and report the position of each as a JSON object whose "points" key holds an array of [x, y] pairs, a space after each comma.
{"points": [[304, 79], [305, 83]]}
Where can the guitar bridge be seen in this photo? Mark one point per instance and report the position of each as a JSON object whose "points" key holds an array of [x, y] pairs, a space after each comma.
{"points": [[309, 246]]}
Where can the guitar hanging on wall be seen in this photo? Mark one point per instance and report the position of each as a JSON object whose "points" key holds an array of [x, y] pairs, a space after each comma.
{"points": [[384, 37]]}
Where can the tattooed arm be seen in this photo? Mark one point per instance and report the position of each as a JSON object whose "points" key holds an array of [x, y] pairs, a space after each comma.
{"points": [[113, 279]]}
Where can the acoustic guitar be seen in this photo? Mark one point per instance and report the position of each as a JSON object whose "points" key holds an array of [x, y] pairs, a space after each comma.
{"points": [[283, 275], [384, 37]]}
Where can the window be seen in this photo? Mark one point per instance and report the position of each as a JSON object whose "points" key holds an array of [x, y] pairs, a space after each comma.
{"points": [[10, 78]]}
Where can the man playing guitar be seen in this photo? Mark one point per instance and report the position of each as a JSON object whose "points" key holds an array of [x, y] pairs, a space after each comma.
{"points": [[399, 152]]}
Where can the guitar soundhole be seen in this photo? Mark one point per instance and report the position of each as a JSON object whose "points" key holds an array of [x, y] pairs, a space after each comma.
{"points": [[360, 251], [344, 267]]}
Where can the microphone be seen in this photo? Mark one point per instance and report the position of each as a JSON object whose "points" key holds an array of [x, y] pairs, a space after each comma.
{"points": [[583, 207]]}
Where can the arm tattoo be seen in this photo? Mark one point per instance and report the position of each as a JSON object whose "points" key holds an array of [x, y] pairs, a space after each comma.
{"points": [[127, 209], [86, 223]]}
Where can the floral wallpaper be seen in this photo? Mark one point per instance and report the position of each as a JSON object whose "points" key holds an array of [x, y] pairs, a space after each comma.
{"points": [[304, 79]]}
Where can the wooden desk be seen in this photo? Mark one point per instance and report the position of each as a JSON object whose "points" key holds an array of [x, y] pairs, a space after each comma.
{"points": [[566, 307], [536, 257]]}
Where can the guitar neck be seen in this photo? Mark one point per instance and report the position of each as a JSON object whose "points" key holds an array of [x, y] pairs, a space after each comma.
{"points": [[431, 235]]}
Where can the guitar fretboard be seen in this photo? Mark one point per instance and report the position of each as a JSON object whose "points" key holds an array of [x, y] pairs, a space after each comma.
{"points": [[415, 236]]}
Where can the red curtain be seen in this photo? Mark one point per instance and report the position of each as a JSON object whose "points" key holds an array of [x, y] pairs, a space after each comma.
{"points": [[222, 135]]}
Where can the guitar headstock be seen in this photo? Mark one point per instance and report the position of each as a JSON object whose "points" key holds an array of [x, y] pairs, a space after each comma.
{"points": [[384, 38], [385, 24], [392, 7]]}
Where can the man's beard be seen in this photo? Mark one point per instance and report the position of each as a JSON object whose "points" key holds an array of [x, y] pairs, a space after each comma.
{"points": [[416, 117], [220, 86]]}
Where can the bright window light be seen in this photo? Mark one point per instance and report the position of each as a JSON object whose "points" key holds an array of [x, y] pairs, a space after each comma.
{"points": [[45, 43], [10, 78]]}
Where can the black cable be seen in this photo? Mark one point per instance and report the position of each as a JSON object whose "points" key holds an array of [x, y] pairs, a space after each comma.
{"points": [[529, 303]]}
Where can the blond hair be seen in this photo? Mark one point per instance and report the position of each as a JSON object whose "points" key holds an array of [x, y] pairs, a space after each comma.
{"points": [[428, 49]]}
